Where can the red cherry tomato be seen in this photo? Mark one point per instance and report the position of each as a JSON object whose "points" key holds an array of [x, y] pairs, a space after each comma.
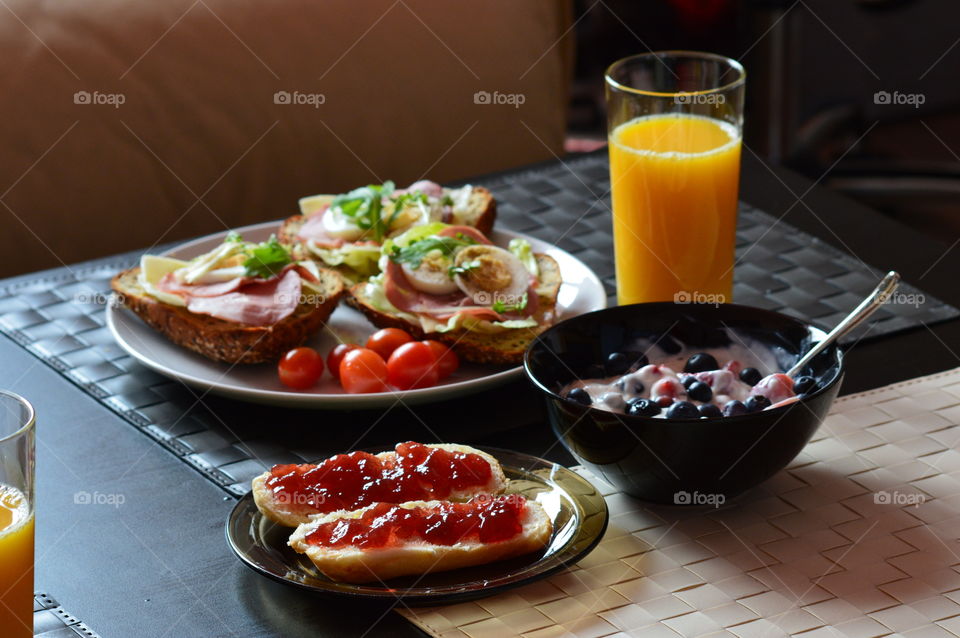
{"points": [[385, 341], [362, 371], [300, 368], [447, 360], [336, 356], [413, 365]]}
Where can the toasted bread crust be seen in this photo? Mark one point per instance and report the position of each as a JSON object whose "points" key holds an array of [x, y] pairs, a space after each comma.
{"points": [[291, 516], [224, 340], [503, 348], [353, 565]]}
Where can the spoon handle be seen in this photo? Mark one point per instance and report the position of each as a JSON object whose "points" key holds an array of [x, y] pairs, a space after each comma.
{"points": [[866, 308]]}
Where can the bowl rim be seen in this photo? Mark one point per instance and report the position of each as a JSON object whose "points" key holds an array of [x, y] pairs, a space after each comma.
{"points": [[625, 418]]}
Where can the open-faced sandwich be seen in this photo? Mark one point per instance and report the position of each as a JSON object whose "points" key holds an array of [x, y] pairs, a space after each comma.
{"points": [[346, 231], [362, 517], [452, 284], [241, 302]]}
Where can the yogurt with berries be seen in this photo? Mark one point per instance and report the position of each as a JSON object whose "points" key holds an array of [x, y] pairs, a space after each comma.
{"points": [[689, 384]]}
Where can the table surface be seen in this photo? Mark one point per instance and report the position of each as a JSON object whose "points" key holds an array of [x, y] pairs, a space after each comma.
{"points": [[158, 564]]}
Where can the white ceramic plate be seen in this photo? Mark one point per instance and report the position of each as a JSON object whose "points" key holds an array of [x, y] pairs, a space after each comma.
{"points": [[581, 292]]}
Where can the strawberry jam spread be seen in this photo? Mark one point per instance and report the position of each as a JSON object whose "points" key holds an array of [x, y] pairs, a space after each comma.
{"points": [[484, 520], [350, 481]]}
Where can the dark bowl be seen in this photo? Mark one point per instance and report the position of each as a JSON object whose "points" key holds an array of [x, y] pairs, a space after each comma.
{"points": [[693, 461]]}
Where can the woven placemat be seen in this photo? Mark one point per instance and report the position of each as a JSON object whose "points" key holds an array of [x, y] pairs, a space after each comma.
{"points": [[50, 620], [857, 537], [59, 317]]}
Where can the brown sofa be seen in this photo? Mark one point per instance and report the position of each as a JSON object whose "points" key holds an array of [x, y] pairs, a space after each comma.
{"points": [[132, 123]]}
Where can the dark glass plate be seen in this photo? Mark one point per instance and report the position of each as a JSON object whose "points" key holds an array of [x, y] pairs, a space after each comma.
{"points": [[577, 509]]}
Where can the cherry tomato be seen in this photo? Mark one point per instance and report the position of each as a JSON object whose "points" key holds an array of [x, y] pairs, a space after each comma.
{"points": [[447, 360], [362, 370], [413, 365], [385, 341], [300, 368], [336, 356]]}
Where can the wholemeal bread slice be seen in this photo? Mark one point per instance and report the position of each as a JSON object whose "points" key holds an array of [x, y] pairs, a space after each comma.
{"points": [[226, 341], [286, 510], [499, 348], [481, 213], [352, 564]]}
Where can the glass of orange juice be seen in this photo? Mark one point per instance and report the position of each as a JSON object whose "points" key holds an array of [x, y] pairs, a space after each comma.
{"points": [[17, 454], [675, 120]]}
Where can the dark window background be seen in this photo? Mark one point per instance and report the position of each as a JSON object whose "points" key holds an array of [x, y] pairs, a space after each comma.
{"points": [[818, 73]]}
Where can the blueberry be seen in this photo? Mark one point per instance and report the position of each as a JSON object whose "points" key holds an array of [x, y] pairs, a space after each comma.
{"points": [[750, 376], [734, 408], [803, 385], [683, 410], [701, 362], [700, 391], [668, 344], [757, 402], [643, 407], [617, 363], [638, 388], [688, 381], [710, 411], [579, 395]]}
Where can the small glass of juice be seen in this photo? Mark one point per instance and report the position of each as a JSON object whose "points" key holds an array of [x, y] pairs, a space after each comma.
{"points": [[17, 460], [675, 120]]}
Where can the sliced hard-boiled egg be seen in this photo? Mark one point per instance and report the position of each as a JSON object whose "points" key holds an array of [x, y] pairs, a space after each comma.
{"points": [[489, 274], [314, 203], [432, 276], [200, 266], [152, 270], [336, 224]]}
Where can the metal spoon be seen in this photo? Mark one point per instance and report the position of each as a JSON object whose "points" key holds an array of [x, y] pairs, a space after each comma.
{"points": [[859, 314]]}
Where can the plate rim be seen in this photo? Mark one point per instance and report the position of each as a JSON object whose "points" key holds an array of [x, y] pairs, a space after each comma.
{"points": [[244, 504], [323, 401]]}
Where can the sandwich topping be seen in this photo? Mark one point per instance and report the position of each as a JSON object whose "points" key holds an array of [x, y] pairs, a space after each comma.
{"points": [[447, 277], [243, 282], [349, 229], [483, 519], [354, 480]]}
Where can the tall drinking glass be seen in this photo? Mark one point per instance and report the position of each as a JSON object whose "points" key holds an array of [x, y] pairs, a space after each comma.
{"points": [[675, 120], [17, 450]]}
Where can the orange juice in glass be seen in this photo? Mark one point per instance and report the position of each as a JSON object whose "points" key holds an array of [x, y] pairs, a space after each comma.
{"points": [[675, 123], [17, 449]]}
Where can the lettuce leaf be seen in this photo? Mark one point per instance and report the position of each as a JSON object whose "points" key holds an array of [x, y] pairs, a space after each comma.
{"points": [[524, 252], [361, 258]]}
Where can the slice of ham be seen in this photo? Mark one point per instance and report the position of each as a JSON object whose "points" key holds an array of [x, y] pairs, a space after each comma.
{"points": [[314, 230], [257, 303], [170, 284], [466, 231], [425, 186]]}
